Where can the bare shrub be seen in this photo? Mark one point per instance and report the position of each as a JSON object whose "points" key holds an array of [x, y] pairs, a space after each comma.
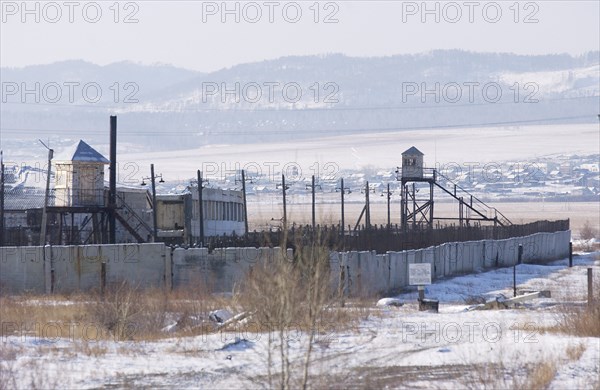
{"points": [[190, 305], [12, 312], [285, 295], [587, 232], [491, 375], [87, 348], [581, 321], [540, 376], [125, 311], [574, 352], [129, 312], [117, 309], [8, 379]]}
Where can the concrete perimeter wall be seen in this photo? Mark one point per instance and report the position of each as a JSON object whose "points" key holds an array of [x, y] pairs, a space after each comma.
{"points": [[81, 268], [368, 274], [221, 270]]}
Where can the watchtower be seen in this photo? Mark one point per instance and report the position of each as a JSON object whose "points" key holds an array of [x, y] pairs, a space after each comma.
{"points": [[80, 177], [417, 203], [417, 212], [412, 164]]}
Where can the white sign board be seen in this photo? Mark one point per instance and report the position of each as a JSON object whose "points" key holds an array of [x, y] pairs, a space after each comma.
{"points": [[419, 274]]}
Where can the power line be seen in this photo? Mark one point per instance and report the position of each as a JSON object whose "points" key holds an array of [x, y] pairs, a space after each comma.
{"points": [[125, 109], [325, 132]]}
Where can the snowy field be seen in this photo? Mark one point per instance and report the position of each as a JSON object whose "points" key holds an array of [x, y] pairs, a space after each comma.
{"points": [[268, 211], [380, 150], [328, 155], [388, 347]]}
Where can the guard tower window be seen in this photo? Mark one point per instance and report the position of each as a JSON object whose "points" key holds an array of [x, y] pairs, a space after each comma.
{"points": [[410, 161]]}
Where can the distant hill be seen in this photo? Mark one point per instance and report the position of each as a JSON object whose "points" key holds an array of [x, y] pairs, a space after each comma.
{"points": [[178, 108]]}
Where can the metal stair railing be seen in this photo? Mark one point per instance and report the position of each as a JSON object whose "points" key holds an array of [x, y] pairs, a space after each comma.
{"points": [[474, 203], [134, 215]]}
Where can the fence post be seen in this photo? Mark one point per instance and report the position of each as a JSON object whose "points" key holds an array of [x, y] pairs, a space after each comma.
{"points": [[570, 254], [590, 287], [520, 254]]}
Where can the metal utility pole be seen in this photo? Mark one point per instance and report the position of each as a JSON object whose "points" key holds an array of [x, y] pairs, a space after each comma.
{"points": [[284, 220], [313, 202], [342, 191], [245, 204], [112, 189], [201, 208], [46, 196], [154, 216], [367, 208], [1, 199], [389, 195]]}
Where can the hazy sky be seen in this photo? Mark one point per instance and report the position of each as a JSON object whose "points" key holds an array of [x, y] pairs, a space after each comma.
{"points": [[193, 34]]}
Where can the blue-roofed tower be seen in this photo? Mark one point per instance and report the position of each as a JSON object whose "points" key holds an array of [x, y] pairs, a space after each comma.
{"points": [[79, 176]]}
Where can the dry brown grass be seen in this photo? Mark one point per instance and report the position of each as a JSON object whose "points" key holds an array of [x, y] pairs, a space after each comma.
{"points": [[574, 352], [587, 246], [588, 232], [540, 376], [8, 377], [582, 321], [35, 316], [124, 313]]}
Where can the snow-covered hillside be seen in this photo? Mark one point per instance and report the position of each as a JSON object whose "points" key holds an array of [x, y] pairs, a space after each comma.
{"points": [[296, 98]]}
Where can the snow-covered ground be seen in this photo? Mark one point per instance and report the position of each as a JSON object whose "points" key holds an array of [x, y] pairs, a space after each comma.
{"points": [[391, 347]]}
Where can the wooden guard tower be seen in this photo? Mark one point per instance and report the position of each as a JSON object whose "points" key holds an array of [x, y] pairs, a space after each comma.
{"points": [[79, 193], [417, 188], [416, 212], [80, 177]]}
